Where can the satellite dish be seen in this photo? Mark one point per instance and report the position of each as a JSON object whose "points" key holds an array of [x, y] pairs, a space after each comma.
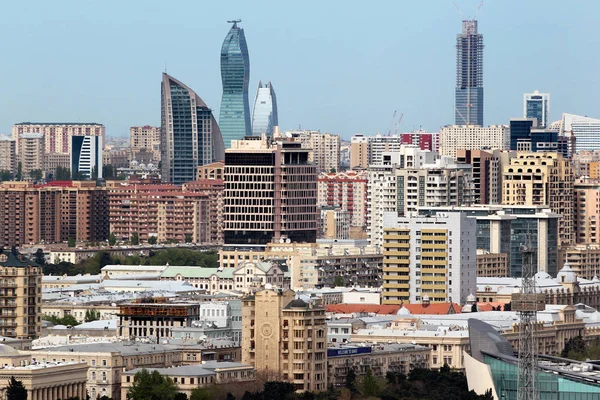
{"points": [[288, 240], [281, 240]]}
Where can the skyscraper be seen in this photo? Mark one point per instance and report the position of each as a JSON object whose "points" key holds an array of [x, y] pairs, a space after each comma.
{"points": [[264, 115], [468, 105], [537, 105], [189, 132], [86, 157], [235, 74]]}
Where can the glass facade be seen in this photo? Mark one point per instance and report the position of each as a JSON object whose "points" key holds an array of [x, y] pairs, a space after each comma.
{"points": [[264, 115], [234, 119], [190, 136], [537, 105], [469, 76]]}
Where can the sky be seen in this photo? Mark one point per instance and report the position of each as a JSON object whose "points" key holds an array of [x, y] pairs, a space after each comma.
{"points": [[336, 66]]}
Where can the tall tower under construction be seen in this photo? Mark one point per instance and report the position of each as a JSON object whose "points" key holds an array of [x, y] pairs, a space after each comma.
{"points": [[468, 107]]}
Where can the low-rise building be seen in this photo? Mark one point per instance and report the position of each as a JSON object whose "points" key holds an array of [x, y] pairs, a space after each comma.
{"points": [[155, 319]]}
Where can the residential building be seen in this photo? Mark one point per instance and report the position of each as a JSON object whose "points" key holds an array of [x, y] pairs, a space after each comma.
{"points": [[585, 164], [255, 275], [468, 103], [189, 134], [379, 144], [492, 264], [145, 138], [429, 258], [53, 161], [53, 212], [473, 137], [211, 171], [31, 153], [270, 192], [487, 173], [584, 259], [542, 179], [335, 223], [264, 115], [118, 158], [155, 319], [346, 190], [324, 149], [584, 131], [285, 338], [359, 152], [8, 155], [234, 119], [21, 289], [86, 157], [537, 105], [587, 211], [57, 135]]}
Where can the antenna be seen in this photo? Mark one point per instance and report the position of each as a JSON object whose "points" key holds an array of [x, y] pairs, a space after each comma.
{"points": [[234, 22]]}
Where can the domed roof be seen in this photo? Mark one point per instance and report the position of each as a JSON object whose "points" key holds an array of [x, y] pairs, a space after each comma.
{"points": [[471, 298], [566, 274], [542, 275], [403, 311], [6, 350]]}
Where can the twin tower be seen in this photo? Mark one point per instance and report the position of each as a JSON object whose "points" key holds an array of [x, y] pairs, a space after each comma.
{"points": [[190, 135]]}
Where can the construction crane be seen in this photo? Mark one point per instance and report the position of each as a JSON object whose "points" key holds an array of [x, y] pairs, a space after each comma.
{"points": [[389, 132], [397, 124]]}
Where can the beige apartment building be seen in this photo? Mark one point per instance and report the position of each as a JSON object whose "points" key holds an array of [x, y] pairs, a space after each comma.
{"points": [[54, 160], [359, 152], [324, 148], [21, 296], [587, 211], [584, 259], [346, 190], [211, 171], [473, 137], [145, 138], [285, 338], [8, 155], [492, 264], [57, 136], [542, 179], [31, 152], [487, 172]]}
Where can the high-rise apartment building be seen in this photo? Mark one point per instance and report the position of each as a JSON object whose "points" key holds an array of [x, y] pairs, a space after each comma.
{"points": [[86, 157], [423, 139], [346, 190], [8, 155], [285, 339], [52, 213], [21, 300], [56, 135], [234, 119], [464, 137], [537, 105], [324, 148], [335, 223], [190, 135], [587, 211], [264, 115], [584, 131], [145, 138], [429, 258], [487, 173], [542, 179], [469, 76], [270, 192], [359, 152], [31, 152]]}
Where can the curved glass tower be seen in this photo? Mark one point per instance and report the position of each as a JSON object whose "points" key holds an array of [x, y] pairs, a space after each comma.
{"points": [[189, 134], [234, 119], [264, 115]]}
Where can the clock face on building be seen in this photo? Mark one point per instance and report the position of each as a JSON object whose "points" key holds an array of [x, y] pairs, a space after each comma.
{"points": [[266, 330]]}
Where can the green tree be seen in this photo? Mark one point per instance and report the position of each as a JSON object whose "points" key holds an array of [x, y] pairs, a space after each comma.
{"points": [[19, 176], [370, 386], [181, 396], [204, 393], [350, 383], [152, 240], [339, 281], [67, 320], [71, 242], [92, 315], [5, 175], [15, 390], [112, 239], [188, 238], [36, 174], [152, 386], [39, 257], [135, 238], [108, 171], [62, 174]]}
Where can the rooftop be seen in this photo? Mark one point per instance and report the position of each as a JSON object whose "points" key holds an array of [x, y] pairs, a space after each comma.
{"points": [[208, 368]]}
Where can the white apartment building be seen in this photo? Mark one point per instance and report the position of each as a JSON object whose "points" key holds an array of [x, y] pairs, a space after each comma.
{"points": [[472, 137], [325, 148]]}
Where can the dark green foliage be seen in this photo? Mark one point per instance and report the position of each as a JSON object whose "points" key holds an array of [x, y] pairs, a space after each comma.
{"points": [[67, 320], [36, 174], [5, 175], [109, 172], [175, 256], [370, 386], [15, 390], [350, 383], [577, 349], [39, 257], [152, 386], [112, 239], [92, 315], [62, 174], [135, 239], [339, 281], [188, 238], [19, 175], [71, 242], [181, 396], [152, 240]]}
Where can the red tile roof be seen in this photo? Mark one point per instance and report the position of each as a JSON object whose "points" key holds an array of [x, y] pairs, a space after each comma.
{"points": [[434, 308], [386, 309]]}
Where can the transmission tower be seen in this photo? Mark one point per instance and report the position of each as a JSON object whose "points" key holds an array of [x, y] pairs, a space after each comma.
{"points": [[527, 303]]}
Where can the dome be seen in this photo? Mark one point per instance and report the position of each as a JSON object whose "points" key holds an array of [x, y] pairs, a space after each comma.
{"points": [[403, 311], [566, 274], [6, 350], [471, 298], [543, 275]]}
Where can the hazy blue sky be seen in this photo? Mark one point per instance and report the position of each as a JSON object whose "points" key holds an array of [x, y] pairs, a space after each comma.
{"points": [[337, 66]]}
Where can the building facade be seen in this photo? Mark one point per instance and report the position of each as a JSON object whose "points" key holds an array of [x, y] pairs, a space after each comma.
{"points": [[487, 173], [189, 134], [145, 138], [264, 115], [57, 135], [8, 155], [537, 105], [31, 153], [234, 119], [346, 190], [468, 103], [359, 152], [324, 148], [469, 137], [86, 157], [584, 130]]}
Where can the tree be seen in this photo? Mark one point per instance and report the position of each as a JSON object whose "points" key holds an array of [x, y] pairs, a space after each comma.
{"points": [[19, 176], [188, 238], [15, 390], [204, 393], [112, 239], [339, 281], [71, 242], [5, 175], [350, 383], [36, 174], [508, 307], [92, 315], [152, 240], [39, 257], [152, 386], [62, 174], [135, 238], [370, 386], [108, 171]]}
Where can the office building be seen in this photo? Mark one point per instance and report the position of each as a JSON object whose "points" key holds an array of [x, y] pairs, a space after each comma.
{"points": [[31, 153], [53, 212], [190, 135], [57, 135], [21, 291], [324, 148], [520, 129], [542, 179], [429, 258], [86, 157], [270, 192], [468, 104], [584, 132], [335, 223], [285, 338], [526, 135], [359, 152], [234, 119], [587, 211], [537, 105], [8, 155], [347, 190], [264, 115], [145, 138], [467, 137], [487, 173]]}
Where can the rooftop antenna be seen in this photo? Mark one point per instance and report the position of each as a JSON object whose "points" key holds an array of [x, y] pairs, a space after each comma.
{"points": [[165, 66], [234, 22]]}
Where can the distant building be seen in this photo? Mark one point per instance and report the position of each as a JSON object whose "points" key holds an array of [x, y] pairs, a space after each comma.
{"points": [[347, 190], [492, 264], [324, 148], [264, 115], [584, 131], [57, 135], [423, 139], [211, 171], [145, 138], [537, 105], [86, 157], [587, 211], [8, 155], [335, 223], [31, 153], [487, 173], [155, 319], [468, 102], [469, 137], [53, 161]]}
